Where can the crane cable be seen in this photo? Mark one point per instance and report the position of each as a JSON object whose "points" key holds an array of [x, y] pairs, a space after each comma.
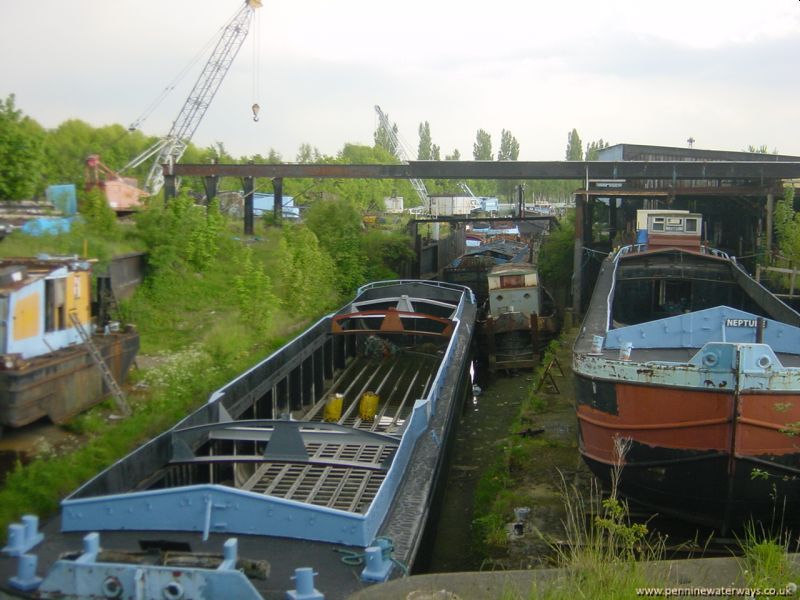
{"points": [[177, 79], [256, 63]]}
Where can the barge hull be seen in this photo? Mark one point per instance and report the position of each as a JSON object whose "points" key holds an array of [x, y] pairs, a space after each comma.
{"points": [[63, 383]]}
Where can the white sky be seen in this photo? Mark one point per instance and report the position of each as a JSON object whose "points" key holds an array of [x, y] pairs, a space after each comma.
{"points": [[638, 71]]}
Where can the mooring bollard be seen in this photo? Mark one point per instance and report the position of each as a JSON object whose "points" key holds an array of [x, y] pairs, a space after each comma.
{"points": [[304, 586], [23, 536], [26, 580]]}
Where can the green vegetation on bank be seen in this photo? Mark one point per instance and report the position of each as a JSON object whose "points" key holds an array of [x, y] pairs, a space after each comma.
{"points": [[212, 305]]}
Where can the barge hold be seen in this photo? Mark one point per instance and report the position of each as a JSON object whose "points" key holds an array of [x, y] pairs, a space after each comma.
{"points": [[45, 368], [328, 449], [688, 377]]}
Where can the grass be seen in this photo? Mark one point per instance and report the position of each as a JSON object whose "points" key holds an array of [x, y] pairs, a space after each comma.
{"points": [[81, 241], [765, 563], [176, 388]]}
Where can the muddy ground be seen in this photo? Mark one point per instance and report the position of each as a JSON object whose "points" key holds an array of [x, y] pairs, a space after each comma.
{"points": [[482, 431]]}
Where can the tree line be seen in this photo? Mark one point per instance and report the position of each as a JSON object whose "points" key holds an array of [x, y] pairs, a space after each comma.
{"points": [[33, 157]]}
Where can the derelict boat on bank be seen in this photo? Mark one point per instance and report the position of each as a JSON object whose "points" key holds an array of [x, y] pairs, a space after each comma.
{"points": [[696, 368], [333, 444], [46, 368]]}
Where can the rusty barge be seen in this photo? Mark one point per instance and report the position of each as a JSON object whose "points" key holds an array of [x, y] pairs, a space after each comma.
{"points": [[312, 473], [688, 379], [45, 368]]}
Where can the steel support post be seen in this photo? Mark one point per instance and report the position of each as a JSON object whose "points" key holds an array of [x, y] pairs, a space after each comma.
{"points": [[248, 185], [277, 207]]}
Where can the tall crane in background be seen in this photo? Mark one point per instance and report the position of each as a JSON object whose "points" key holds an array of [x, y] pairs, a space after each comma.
{"points": [[171, 147], [402, 154]]}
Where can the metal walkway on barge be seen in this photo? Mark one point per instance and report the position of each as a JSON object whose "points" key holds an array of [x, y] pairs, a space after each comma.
{"points": [[398, 382]]}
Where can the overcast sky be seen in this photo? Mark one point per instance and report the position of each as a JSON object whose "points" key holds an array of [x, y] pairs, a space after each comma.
{"points": [[638, 71]]}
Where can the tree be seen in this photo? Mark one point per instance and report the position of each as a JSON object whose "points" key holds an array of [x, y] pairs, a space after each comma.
{"points": [[456, 155], [21, 152], [509, 146], [787, 226], [308, 154], [482, 149], [337, 225], [424, 150], [308, 272], [383, 139], [762, 149], [390, 254], [216, 152], [593, 149], [574, 146], [256, 300], [509, 150]]}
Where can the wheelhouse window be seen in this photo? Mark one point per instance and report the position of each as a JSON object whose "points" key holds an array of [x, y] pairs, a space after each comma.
{"points": [[512, 281]]}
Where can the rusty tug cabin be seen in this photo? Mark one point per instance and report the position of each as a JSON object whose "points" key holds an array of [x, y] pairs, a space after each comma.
{"points": [[735, 191]]}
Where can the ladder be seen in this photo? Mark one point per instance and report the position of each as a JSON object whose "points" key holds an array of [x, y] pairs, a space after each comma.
{"points": [[116, 392]]}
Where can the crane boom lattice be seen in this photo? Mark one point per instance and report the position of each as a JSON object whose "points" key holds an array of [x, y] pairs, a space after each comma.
{"points": [[172, 146], [402, 154]]}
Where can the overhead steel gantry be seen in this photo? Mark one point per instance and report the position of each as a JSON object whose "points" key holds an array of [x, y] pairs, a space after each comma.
{"points": [[453, 169], [764, 173]]}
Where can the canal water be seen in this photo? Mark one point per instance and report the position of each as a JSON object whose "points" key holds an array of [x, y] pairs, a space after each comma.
{"points": [[481, 434]]}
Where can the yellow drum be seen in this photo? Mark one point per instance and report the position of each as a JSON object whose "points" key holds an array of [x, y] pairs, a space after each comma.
{"points": [[333, 408], [368, 406]]}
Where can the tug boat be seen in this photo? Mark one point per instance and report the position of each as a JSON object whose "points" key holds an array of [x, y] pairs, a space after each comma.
{"points": [[312, 474], [688, 380], [521, 317], [517, 316]]}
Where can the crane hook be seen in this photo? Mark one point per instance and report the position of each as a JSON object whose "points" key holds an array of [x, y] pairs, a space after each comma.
{"points": [[256, 109]]}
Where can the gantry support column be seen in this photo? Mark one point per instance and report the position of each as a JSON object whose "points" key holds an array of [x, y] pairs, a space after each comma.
{"points": [[577, 255], [277, 206], [211, 185], [248, 185], [170, 188], [770, 211]]}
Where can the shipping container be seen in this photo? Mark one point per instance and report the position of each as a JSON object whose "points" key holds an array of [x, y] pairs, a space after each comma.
{"points": [[446, 206]]}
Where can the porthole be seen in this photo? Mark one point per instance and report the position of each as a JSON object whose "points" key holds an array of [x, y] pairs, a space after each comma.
{"points": [[710, 359], [112, 588], [173, 591]]}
